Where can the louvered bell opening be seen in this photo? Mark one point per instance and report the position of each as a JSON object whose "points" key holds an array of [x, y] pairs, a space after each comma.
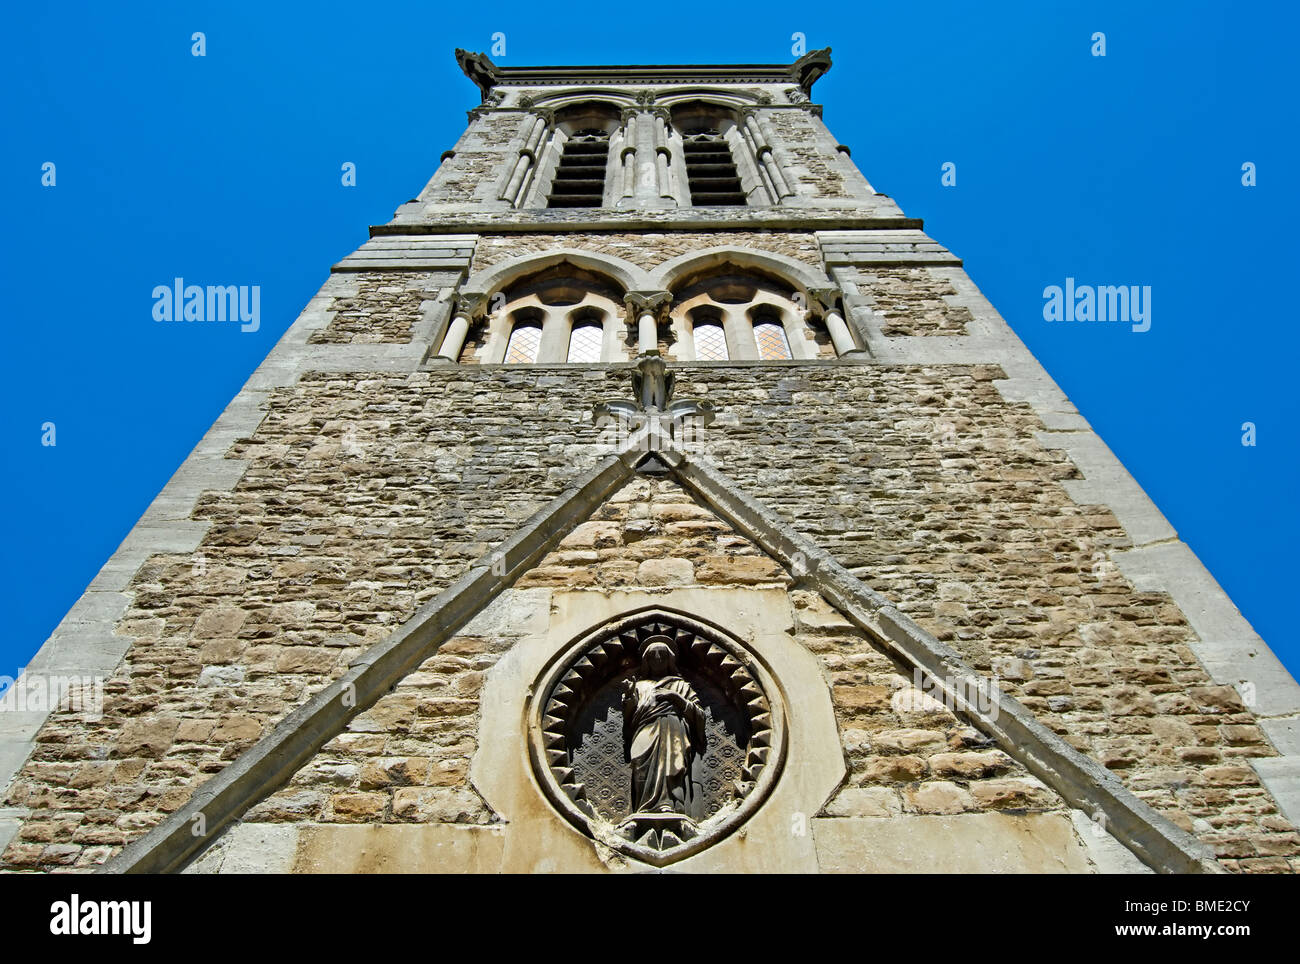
{"points": [[711, 173], [580, 176]]}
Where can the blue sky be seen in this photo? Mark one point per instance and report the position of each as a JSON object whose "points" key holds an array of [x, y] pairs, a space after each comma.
{"points": [[225, 169]]}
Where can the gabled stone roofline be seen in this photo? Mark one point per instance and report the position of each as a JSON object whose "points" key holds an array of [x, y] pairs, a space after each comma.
{"points": [[486, 75]]}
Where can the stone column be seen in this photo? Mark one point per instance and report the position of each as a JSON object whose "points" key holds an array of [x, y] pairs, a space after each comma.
{"points": [[663, 154], [629, 152], [766, 160], [467, 306], [526, 162], [647, 308], [827, 300]]}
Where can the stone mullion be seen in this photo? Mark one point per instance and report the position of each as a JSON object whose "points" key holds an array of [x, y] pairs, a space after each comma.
{"points": [[554, 346], [611, 347], [740, 334], [686, 339], [794, 327]]}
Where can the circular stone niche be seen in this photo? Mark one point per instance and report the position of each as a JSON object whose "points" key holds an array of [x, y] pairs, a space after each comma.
{"points": [[657, 734]]}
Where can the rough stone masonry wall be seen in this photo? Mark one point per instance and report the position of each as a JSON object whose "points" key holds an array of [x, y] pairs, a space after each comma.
{"points": [[406, 760], [469, 177], [367, 494], [806, 158], [910, 301], [386, 305]]}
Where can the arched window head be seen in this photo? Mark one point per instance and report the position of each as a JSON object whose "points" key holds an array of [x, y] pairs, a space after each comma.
{"points": [[555, 315]]}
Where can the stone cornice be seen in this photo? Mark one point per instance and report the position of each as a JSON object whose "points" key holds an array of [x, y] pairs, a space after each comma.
{"points": [[804, 72]]}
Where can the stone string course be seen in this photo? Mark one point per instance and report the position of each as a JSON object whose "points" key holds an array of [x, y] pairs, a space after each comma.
{"points": [[367, 494]]}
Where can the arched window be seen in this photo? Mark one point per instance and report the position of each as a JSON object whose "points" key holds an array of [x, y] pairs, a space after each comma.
{"points": [[730, 312], [717, 158], [525, 341], [582, 137], [580, 177], [585, 341], [710, 340], [556, 315], [769, 336]]}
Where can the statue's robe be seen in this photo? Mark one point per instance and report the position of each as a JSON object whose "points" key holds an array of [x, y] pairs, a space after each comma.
{"points": [[663, 741]]}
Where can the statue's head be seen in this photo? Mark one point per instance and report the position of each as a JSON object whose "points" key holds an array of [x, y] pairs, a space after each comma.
{"points": [[658, 658]]}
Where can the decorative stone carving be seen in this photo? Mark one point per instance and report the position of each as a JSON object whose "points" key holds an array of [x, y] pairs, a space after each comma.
{"points": [[654, 303], [478, 68], [470, 304], [653, 415], [824, 299], [657, 735]]}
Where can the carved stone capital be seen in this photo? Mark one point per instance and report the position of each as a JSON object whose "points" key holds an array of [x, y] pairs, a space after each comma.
{"points": [[655, 303], [470, 304], [824, 299]]}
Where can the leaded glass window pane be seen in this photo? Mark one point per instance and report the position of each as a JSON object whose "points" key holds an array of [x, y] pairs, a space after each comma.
{"points": [[523, 345], [585, 343], [772, 343], [710, 342]]}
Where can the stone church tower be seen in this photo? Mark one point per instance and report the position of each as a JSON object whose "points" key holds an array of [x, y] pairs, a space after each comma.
{"points": [[651, 492]]}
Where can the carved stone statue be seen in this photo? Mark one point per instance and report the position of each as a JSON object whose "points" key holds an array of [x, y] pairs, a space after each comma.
{"points": [[663, 730]]}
